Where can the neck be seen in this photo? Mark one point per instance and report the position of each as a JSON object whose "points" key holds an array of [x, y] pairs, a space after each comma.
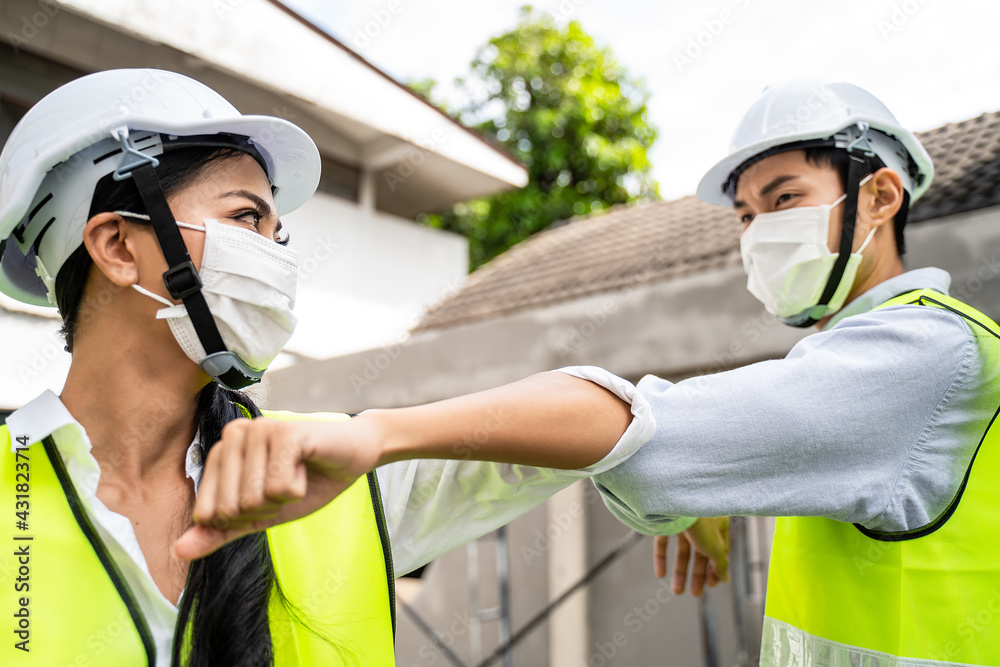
{"points": [[884, 266], [138, 411]]}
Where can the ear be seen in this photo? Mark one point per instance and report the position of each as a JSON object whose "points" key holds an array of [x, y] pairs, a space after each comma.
{"points": [[886, 196], [109, 240]]}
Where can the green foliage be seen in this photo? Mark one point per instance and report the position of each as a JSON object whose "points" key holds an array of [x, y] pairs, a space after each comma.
{"points": [[565, 108], [425, 88]]}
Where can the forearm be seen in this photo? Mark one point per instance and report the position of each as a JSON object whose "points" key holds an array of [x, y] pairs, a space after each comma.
{"points": [[550, 420], [264, 472]]}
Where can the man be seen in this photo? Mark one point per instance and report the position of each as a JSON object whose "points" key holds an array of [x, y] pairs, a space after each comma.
{"points": [[874, 433], [875, 421]]}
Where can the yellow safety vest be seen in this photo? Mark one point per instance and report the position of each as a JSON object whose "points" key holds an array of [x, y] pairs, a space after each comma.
{"points": [[64, 598], [841, 595]]}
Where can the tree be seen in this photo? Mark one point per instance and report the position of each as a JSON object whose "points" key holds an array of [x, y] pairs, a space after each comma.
{"points": [[566, 109], [425, 88]]}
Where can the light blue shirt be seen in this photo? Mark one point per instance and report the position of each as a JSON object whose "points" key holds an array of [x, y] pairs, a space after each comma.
{"points": [[873, 420]]}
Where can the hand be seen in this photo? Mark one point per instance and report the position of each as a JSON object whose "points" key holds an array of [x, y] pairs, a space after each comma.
{"points": [[264, 472], [710, 538]]}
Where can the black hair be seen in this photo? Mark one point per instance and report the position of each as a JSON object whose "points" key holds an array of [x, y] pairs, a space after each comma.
{"points": [[223, 612], [828, 156]]}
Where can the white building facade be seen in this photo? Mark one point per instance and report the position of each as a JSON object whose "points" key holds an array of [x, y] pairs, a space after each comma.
{"points": [[368, 271]]}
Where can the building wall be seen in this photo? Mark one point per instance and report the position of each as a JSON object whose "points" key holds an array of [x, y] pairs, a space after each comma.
{"points": [[624, 616], [32, 358], [635, 617], [366, 277], [452, 613]]}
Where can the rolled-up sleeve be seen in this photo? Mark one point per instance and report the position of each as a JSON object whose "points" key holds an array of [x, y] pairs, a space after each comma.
{"points": [[862, 423], [644, 423]]}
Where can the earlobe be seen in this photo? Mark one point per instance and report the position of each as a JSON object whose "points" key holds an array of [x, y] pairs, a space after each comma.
{"points": [[106, 237], [886, 190]]}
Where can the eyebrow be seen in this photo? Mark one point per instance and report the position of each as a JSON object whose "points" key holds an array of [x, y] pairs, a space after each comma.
{"points": [[262, 206], [769, 188]]}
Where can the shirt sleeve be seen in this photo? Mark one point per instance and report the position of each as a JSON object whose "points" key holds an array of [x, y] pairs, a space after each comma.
{"points": [[861, 423], [432, 506]]}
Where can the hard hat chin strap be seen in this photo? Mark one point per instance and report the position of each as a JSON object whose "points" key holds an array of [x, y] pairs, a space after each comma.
{"points": [[182, 282], [861, 155]]}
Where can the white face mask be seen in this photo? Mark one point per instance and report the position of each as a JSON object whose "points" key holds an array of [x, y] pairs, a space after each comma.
{"points": [[249, 285], [788, 262]]}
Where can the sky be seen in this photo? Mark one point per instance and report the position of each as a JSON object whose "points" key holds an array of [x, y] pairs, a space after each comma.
{"points": [[930, 61]]}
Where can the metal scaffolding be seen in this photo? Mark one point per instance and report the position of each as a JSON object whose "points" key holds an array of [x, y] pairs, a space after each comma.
{"points": [[749, 551]]}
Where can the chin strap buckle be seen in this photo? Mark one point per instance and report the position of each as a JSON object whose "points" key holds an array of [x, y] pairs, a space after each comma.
{"points": [[230, 371], [182, 280], [861, 145], [132, 158]]}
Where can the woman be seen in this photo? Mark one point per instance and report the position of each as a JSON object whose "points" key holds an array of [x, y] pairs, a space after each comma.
{"points": [[145, 207]]}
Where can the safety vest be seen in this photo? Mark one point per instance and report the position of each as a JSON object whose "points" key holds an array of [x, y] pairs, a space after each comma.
{"points": [[840, 595], [64, 597]]}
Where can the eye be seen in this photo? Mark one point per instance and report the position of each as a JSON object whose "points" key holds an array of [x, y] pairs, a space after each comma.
{"points": [[746, 218], [253, 216], [249, 216], [782, 198]]}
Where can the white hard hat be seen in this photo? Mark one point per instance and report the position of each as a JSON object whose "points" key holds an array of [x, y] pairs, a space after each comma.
{"points": [[60, 149], [807, 112]]}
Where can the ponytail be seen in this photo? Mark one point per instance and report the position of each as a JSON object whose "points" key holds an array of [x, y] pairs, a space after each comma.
{"points": [[222, 617]]}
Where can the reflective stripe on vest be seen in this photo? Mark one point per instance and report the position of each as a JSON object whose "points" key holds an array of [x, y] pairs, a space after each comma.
{"points": [[784, 644], [333, 567], [839, 595]]}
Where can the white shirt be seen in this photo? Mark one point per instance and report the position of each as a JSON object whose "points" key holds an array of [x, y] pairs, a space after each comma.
{"points": [[431, 506]]}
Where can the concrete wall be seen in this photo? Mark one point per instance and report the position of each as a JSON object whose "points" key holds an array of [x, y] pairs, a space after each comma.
{"points": [[636, 619], [625, 616], [442, 598]]}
